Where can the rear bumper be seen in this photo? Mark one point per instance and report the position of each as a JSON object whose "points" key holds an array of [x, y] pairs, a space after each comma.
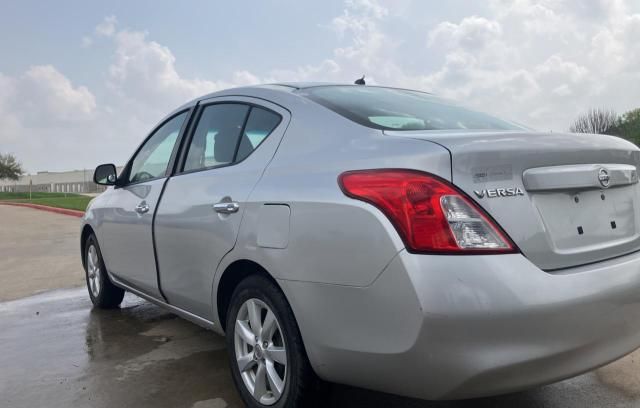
{"points": [[448, 327]]}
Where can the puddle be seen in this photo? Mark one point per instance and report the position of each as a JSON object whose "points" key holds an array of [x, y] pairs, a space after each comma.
{"points": [[212, 403]]}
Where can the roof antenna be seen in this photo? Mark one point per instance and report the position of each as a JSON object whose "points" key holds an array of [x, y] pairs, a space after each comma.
{"points": [[360, 81]]}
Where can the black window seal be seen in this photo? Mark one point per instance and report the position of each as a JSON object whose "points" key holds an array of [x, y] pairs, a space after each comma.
{"points": [[242, 129], [184, 132]]}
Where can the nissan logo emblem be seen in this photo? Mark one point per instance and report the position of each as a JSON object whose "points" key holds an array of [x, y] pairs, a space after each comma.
{"points": [[603, 177]]}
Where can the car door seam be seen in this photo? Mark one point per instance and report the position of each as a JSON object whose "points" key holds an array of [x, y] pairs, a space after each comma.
{"points": [[255, 185], [153, 240]]}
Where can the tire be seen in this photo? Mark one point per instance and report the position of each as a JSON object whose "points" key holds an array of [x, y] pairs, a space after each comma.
{"points": [[103, 293], [300, 387]]}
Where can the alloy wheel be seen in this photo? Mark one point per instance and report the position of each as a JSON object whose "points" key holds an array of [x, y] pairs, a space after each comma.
{"points": [[260, 351], [93, 271]]}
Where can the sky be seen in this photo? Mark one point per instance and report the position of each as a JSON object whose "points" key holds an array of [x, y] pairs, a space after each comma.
{"points": [[82, 83]]}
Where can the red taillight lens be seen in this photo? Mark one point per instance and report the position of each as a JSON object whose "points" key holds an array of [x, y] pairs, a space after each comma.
{"points": [[430, 214]]}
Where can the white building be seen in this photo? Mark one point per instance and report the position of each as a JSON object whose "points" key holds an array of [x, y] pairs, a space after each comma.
{"points": [[75, 181]]}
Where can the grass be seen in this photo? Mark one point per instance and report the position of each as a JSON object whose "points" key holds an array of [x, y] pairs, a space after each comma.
{"points": [[25, 196], [59, 200]]}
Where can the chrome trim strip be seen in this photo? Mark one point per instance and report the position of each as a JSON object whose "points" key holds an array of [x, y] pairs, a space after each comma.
{"points": [[579, 176]]}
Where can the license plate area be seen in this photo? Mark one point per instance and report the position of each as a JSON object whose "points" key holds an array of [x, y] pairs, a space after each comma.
{"points": [[591, 219]]}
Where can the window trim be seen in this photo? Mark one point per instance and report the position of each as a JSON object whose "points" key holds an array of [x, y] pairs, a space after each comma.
{"points": [[191, 132], [123, 180]]}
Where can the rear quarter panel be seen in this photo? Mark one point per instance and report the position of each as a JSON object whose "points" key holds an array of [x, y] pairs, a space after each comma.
{"points": [[332, 239]]}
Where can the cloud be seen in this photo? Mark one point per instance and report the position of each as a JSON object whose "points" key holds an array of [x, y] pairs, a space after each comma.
{"points": [[326, 69], [50, 92], [9, 122], [107, 27], [541, 63], [618, 44], [43, 96], [145, 70], [366, 43], [471, 33], [363, 48], [86, 41], [537, 62], [44, 117]]}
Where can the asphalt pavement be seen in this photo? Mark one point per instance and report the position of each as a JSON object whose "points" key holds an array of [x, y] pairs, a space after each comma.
{"points": [[39, 251]]}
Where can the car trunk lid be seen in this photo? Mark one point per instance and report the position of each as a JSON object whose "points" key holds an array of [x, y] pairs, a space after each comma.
{"points": [[564, 199]]}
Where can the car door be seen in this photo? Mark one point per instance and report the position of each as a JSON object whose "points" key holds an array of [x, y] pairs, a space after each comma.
{"points": [[126, 232], [199, 216]]}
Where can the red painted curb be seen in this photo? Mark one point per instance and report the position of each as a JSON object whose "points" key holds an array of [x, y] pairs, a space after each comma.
{"points": [[65, 211]]}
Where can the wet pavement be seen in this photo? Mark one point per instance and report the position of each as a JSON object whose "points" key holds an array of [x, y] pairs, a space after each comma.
{"points": [[56, 351]]}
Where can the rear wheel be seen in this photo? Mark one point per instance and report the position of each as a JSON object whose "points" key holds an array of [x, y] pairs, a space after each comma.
{"points": [[268, 361], [102, 292]]}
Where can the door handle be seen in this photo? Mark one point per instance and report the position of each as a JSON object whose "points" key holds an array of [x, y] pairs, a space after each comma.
{"points": [[226, 207], [142, 208]]}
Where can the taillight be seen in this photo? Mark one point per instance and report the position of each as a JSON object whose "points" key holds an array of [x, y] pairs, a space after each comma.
{"points": [[429, 213]]}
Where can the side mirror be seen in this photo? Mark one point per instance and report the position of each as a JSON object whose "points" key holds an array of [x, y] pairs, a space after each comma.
{"points": [[105, 175]]}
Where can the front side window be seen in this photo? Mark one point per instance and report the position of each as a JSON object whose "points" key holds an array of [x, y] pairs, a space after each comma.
{"points": [[153, 158], [399, 109], [227, 133]]}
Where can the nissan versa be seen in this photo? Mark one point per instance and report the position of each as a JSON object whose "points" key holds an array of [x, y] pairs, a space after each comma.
{"points": [[378, 237]]}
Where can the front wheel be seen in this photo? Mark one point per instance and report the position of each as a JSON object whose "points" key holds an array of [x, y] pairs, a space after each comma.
{"points": [[102, 292], [268, 361]]}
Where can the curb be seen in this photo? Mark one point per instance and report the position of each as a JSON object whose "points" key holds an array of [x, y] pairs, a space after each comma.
{"points": [[64, 211]]}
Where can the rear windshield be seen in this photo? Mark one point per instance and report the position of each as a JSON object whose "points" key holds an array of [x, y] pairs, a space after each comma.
{"points": [[398, 109]]}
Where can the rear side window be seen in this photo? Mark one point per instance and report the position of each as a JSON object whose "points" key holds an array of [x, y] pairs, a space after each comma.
{"points": [[398, 109], [227, 133], [260, 124], [216, 136]]}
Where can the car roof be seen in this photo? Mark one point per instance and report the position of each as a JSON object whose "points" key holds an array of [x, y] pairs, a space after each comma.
{"points": [[251, 90], [287, 87], [273, 90], [303, 85]]}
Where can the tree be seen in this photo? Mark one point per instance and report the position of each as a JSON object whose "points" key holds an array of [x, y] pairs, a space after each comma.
{"points": [[603, 121], [10, 168], [628, 126]]}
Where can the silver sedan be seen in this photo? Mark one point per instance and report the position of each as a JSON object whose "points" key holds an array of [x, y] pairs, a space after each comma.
{"points": [[377, 237]]}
